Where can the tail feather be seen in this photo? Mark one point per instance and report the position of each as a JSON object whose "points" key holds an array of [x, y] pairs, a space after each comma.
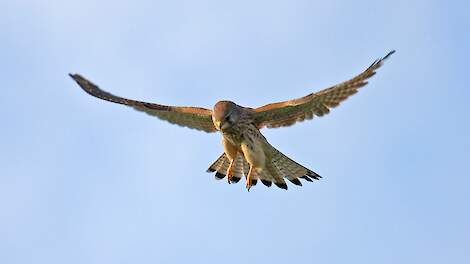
{"points": [[217, 163], [220, 167], [291, 169], [278, 167], [275, 175]]}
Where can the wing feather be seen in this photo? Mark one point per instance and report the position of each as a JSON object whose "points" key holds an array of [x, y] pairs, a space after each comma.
{"points": [[192, 117], [315, 104]]}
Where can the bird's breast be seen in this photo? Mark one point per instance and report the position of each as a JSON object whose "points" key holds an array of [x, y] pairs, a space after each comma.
{"points": [[234, 138]]}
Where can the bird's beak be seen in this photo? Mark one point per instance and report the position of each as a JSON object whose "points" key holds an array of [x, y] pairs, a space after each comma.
{"points": [[221, 126], [217, 125]]}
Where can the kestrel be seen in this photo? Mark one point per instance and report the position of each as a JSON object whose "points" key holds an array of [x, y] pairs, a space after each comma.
{"points": [[246, 151]]}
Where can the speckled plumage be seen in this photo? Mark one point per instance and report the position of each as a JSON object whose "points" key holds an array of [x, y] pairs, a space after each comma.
{"points": [[246, 151]]}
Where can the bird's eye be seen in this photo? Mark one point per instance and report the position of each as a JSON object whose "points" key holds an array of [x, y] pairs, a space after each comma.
{"points": [[227, 118]]}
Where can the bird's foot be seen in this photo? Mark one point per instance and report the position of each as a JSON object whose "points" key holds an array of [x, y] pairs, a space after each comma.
{"points": [[229, 176], [248, 179], [248, 184]]}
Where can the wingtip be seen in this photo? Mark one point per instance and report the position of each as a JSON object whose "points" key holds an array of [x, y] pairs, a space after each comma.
{"points": [[313, 175], [377, 63], [389, 54], [75, 76]]}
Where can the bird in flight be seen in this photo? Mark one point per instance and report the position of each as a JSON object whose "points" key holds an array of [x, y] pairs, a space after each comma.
{"points": [[246, 151]]}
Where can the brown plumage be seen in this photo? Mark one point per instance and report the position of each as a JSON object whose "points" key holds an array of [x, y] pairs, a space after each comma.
{"points": [[247, 153]]}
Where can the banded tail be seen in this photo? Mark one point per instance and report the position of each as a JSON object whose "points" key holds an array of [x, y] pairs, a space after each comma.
{"points": [[278, 167]]}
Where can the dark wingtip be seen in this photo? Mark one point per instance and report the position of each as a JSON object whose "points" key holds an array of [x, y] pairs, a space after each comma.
{"points": [[79, 80], [313, 175], [389, 54], [305, 177], [75, 76], [210, 170]]}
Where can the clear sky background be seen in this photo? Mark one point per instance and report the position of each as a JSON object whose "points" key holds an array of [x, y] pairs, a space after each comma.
{"points": [[86, 181]]}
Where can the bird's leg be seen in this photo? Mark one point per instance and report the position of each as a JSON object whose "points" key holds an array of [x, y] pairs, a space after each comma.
{"points": [[248, 178], [230, 171]]}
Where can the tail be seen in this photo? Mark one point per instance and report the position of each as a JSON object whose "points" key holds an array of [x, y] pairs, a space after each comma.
{"points": [[278, 167], [220, 167]]}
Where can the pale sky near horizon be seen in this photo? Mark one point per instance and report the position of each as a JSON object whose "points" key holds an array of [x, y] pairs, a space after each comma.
{"points": [[87, 181]]}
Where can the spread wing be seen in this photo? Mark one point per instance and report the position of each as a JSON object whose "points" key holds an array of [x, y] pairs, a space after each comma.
{"points": [[315, 104], [192, 117]]}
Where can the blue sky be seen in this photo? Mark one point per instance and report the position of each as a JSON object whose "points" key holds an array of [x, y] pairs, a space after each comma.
{"points": [[86, 181]]}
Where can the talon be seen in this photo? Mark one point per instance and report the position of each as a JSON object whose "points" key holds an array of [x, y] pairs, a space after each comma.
{"points": [[229, 176], [248, 185], [248, 179]]}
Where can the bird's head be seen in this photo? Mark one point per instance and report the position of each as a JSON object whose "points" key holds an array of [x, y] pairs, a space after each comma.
{"points": [[225, 115]]}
